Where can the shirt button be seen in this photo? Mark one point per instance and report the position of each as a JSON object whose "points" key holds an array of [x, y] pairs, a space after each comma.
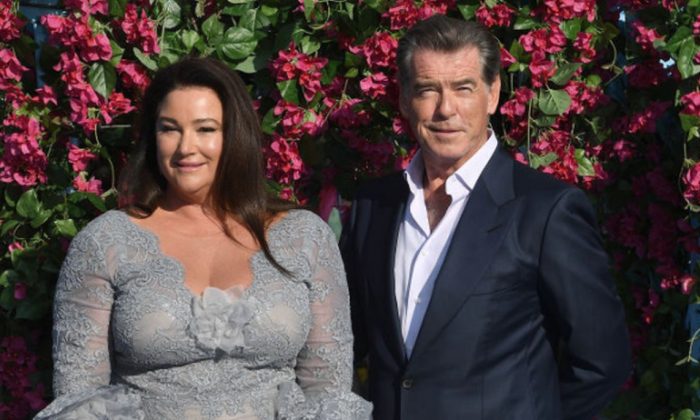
{"points": [[407, 383]]}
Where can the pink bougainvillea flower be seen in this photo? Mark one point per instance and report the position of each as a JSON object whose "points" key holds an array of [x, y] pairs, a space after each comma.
{"points": [[560, 10], [91, 185], [23, 162], [549, 40], [79, 158], [88, 7], [379, 50], [507, 58], [583, 44], [118, 104], [10, 24], [133, 75], [45, 95], [691, 180], [347, 114], [10, 67], [515, 108], [623, 150], [541, 69], [498, 15], [139, 30], [691, 103], [291, 64], [283, 161], [649, 73], [405, 13], [14, 246], [375, 85], [96, 48], [696, 27], [297, 122], [20, 291], [644, 36]]}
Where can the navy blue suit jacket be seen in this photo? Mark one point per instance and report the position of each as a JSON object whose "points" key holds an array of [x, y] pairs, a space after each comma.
{"points": [[524, 321]]}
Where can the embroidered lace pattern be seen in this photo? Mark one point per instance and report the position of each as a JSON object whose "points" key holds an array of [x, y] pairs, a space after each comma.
{"points": [[131, 338]]}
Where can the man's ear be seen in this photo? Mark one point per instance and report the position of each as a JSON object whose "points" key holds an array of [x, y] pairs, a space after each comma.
{"points": [[494, 95]]}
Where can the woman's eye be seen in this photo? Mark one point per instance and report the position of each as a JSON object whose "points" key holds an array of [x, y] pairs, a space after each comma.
{"points": [[165, 129], [207, 129]]}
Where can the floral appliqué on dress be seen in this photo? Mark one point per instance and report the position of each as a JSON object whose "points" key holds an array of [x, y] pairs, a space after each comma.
{"points": [[219, 319]]}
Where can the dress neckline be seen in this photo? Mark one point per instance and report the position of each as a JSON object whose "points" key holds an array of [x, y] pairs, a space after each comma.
{"points": [[244, 291]]}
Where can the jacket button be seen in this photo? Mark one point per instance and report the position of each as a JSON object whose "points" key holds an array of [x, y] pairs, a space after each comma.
{"points": [[407, 383]]}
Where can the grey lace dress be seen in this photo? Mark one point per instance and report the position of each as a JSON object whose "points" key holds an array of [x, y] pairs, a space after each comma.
{"points": [[132, 342]]}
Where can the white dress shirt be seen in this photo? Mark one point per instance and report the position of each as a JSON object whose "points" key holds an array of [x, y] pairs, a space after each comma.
{"points": [[420, 252]]}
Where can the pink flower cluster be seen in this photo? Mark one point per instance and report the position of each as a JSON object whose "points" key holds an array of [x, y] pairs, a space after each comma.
{"points": [[691, 103], [405, 13], [139, 30], [133, 75], [379, 50], [283, 161], [560, 10], [498, 15], [544, 40], [88, 7], [515, 112], [642, 122], [23, 161], [297, 121], [17, 367], [292, 64], [645, 37], [76, 33], [558, 142], [10, 24]]}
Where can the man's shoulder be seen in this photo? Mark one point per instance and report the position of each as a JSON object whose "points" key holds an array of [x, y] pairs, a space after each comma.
{"points": [[386, 187]]}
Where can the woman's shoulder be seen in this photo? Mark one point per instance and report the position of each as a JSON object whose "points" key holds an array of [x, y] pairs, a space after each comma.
{"points": [[302, 220], [110, 226]]}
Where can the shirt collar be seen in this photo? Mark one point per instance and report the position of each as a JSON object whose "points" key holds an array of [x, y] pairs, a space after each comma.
{"points": [[462, 181]]}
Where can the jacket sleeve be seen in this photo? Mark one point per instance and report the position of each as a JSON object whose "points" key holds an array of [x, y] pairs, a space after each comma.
{"points": [[349, 250], [582, 306]]}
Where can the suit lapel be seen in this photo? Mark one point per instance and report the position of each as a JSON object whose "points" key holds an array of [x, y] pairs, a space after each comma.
{"points": [[476, 238], [387, 214]]}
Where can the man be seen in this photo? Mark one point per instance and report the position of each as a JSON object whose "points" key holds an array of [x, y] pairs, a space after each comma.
{"points": [[480, 289]]}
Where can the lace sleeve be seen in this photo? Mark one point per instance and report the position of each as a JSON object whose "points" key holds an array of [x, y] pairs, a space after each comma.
{"points": [[324, 365], [82, 308]]}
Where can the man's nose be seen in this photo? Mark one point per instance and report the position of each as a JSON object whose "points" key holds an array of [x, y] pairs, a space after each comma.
{"points": [[446, 105]]}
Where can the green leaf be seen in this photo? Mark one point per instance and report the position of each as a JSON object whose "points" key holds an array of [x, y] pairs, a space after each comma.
{"points": [[7, 299], [103, 78], [564, 73], [524, 23], [117, 8], [268, 11], [309, 45], [571, 28], [238, 43], [351, 73], [491, 3], [289, 89], [117, 53], [189, 38], [269, 122], [689, 121], [170, 13], [66, 227], [335, 222], [247, 66], [248, 19], [212, 28], [147, 61], [685, 58], [7, 226], [686, 414], [468, 10], [536, 160], [40, 218], [593, 80], [682, 35], [553, 102], [28, 205], [309, 9], [585, 166]]}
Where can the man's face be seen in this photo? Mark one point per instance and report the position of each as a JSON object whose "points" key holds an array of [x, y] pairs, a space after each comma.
{"points": [[447, 104]]}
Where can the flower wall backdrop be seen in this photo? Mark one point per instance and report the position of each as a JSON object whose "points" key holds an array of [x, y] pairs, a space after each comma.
{"points": [[601, 94]]}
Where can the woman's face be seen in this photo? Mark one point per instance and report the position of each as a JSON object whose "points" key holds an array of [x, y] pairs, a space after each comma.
{"points": [[189, 139]]}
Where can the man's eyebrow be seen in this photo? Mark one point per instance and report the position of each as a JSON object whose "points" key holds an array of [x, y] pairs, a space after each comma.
{"points": [[464, 81]]}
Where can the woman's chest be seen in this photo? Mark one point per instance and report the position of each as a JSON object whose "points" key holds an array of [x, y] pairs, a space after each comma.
{"points": [[157, 321]]}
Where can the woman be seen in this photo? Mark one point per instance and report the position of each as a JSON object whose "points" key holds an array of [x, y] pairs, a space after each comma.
{"points": [[204, 298]]}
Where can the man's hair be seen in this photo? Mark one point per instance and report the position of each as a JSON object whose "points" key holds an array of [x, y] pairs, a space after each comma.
{"points": [[444, 34]]}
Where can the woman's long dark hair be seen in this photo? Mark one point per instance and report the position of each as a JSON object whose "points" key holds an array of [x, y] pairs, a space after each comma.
{"points": [[239, 188]]}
